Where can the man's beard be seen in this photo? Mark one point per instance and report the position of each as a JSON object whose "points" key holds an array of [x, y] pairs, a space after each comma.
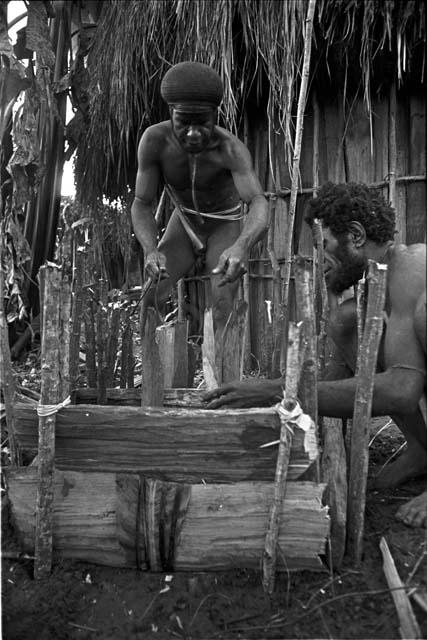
{"points": [[348, 272]]}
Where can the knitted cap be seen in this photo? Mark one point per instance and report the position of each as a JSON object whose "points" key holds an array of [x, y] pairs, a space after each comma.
{"points": [[191, 82]]}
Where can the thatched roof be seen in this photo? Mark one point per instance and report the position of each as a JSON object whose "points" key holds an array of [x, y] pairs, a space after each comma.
{"points": [[256, 45]]}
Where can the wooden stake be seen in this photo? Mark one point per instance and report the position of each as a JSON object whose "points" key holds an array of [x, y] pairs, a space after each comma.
{"points": [[408, 624], [359, 453], [291, 390], [48, 396]]}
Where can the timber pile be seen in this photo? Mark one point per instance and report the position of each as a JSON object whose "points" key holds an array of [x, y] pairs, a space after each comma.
{"points": [[124, 520]]}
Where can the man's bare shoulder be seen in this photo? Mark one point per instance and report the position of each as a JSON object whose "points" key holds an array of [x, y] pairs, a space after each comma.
{"points": [[231, 146], [407, 269]]}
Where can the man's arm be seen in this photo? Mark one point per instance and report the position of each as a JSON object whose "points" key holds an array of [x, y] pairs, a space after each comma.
{"points": [[146, 186], [232, 260]]}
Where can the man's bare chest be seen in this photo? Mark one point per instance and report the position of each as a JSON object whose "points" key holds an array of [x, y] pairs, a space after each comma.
{"points": [[203, 172]]}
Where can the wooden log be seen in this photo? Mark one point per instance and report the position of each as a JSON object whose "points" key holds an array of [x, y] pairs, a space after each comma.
{"points": [[152, 368], [50, 374], [170, 444], [105, 517], [293, 370], [359, 454], [408, 623], [132, 397], [172, 341]]}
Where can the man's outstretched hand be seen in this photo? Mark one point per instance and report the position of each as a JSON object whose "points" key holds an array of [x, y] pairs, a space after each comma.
{"points": [[250, 393], [231, 265]]}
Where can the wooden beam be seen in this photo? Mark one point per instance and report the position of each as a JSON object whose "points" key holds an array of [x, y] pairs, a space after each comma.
{"points": [[124, 520], [172, 444]]}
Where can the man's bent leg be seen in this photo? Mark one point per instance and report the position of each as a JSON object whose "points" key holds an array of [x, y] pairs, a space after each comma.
{"points": [[223, 298], [414, 512], [178, 250]]}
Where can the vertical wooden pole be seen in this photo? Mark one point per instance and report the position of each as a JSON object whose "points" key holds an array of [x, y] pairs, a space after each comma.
{"points": [[297, 152], [291, 389], [78, 298], [359, 454], [49, 396], [232, 341]]}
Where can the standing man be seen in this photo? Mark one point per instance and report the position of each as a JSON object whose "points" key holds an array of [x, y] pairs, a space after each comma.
{"points": [[207, 173], [357, 226]]}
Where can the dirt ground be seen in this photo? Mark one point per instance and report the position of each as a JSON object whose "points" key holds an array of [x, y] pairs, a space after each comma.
{"points": [[82, 601]]}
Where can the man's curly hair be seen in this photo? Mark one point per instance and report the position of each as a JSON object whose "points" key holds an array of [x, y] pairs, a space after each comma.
{"points": [[338, 204]]}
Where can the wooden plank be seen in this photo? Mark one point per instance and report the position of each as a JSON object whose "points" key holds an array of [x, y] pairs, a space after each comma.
{"points": [[218, 526], [359, 144], [171, 444], [232, 343], [416, 204]]}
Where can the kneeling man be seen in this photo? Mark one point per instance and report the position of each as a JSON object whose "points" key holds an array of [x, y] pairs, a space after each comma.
{"points": [[358, 225]]}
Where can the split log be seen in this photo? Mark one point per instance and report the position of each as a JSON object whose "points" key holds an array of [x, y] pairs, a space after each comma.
{"points": [[209, 359], [152, 369], [232, 343], [333, 471], [172, 341], [366, 364], [171, 444], [129, 521], [132, 397]]}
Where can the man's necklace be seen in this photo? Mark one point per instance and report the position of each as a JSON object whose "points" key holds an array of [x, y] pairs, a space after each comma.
{"points": [[192, 158]]}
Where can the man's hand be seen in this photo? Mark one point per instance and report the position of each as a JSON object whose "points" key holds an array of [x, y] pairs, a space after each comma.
{"points": [[250, 393], [231, 264], [155, 266]]}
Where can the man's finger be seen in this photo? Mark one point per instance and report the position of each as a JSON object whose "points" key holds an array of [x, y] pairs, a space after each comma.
{"points": [[221, 266]]}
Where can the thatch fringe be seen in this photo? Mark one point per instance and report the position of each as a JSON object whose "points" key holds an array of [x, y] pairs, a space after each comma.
{"points": [[256, 47]]}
